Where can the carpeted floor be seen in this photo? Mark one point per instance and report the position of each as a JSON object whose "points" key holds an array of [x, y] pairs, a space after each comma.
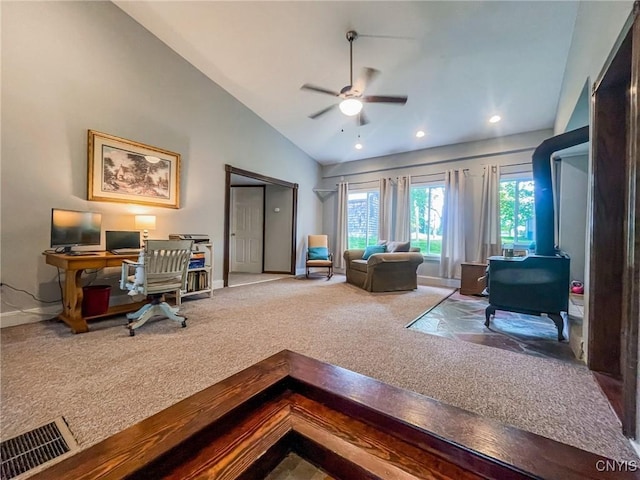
{"points": [[461, 317], [104, 380]]}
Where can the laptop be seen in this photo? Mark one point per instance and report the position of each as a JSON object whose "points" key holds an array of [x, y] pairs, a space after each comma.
{"points": [[122, 242]]}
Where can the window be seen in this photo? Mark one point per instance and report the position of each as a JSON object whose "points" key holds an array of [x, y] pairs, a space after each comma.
{"points": [[363, 211], [517, 212], [427, 203]]}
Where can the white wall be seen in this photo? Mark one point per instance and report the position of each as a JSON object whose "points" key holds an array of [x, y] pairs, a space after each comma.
{"points": [[72, 66], [573, 212], [504, 151]]}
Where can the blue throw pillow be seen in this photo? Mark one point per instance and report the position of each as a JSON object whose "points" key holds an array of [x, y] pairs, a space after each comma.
{"points": [[371, 249], [318, 253]]}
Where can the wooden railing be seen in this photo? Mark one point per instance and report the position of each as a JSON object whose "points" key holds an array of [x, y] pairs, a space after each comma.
{"points": [[347, 424]]}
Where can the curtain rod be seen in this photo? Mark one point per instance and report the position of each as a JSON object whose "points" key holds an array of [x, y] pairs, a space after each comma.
{"points": [[433, 174], [516, 164], [423, 164], [438, 173], [427, 175], [359, 183]]}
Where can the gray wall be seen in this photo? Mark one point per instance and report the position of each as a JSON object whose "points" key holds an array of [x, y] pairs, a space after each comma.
{"points": [[277, 238], [511, 150], [72, 66], [597, 27]]}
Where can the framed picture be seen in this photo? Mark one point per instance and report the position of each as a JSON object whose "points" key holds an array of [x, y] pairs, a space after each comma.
{"points": [[125, 171]]}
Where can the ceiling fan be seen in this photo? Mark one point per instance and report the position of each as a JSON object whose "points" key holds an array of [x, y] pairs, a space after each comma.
{"points": [[353, 94]]}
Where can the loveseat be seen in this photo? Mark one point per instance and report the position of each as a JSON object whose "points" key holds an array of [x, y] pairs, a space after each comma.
{"points": [[383, 272]]}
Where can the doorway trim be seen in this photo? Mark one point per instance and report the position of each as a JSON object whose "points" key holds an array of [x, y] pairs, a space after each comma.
{"points": [[614, 300], [230, 170]]}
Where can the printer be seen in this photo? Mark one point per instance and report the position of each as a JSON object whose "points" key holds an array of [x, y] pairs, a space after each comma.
{"points": [[196, 237]]}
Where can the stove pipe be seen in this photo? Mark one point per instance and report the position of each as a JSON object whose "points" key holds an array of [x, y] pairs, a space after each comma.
{"points": [[541, 163]]}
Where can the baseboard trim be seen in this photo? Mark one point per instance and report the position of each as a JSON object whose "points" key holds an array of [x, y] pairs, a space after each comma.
{"points": [[438, 281], [39, 314], [31, 315]]}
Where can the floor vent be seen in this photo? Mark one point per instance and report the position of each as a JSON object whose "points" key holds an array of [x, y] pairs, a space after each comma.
{"points": [[24, 452]]}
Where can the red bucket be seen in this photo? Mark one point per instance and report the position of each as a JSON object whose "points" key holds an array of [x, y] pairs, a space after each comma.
{"points": [[95, 300]]}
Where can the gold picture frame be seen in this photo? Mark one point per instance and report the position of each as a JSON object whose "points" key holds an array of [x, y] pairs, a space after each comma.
{"points": [[125, 171]]}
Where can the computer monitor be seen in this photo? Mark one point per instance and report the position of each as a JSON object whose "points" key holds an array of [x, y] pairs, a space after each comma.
{"points": [[115, 239], [70, 228]]}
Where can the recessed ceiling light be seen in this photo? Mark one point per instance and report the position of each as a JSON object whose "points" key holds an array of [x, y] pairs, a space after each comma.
{"points": [[358, 146], [495, 119], [419, 134]]}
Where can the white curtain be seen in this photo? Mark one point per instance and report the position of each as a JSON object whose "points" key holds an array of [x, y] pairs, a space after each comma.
{"points": [[453, 223], [403, 209], [489, 234], [385, 209], [342, 227]]}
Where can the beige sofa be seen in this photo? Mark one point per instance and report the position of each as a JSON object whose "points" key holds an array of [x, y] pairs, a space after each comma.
{"points": [[383, 272]]}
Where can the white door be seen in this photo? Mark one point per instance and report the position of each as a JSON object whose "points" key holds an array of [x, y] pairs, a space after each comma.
{"points": [[246, 229]]}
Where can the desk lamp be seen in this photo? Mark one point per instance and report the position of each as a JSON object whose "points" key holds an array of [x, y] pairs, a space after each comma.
{"points": [[145, 223]]}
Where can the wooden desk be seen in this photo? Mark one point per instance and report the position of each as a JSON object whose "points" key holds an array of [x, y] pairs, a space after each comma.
{"points": [[72, 292]]}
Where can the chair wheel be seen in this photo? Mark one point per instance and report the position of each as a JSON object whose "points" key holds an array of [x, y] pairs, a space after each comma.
{"points": [[132, 332], [184, 323]]}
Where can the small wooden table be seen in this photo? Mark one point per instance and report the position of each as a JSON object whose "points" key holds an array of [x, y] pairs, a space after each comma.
{"points": [[73, 266], [469, 275]]}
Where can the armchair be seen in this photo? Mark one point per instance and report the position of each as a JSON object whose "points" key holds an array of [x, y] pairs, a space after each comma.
{"points": [[318, 255], [161, 268]]}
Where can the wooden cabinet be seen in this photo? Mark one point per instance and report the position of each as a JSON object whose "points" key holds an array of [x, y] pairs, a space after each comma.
{"points": [[469, 283]]}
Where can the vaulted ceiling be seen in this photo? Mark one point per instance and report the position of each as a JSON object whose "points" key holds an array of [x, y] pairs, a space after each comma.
{"points": [[458, 62]]}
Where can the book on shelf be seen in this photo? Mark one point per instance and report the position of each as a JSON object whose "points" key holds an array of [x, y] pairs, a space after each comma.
{"points": [[196, 263], [197, 281], [197, 260]]}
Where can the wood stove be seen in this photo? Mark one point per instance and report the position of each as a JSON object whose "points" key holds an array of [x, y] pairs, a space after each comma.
{"points": [[537, 284]]}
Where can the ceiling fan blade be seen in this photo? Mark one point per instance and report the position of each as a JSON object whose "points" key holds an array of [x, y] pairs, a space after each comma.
{"points": [[362, 118], [394, 37], [367, 75], [313, 88], [322, 112], [384, 99]]}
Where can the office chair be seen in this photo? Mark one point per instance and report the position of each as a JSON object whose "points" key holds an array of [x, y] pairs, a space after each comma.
{"points": [[318, 255], [161, 268]]}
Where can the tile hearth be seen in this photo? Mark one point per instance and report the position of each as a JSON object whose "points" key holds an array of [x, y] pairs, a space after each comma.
{"points": [[461, 317]]}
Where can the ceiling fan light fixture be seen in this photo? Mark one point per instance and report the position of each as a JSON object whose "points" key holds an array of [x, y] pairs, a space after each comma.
{"points": [[351, 106]]}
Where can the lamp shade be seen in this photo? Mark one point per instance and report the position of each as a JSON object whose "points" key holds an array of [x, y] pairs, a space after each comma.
{"points": [[350, 106], [145, 222]]}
